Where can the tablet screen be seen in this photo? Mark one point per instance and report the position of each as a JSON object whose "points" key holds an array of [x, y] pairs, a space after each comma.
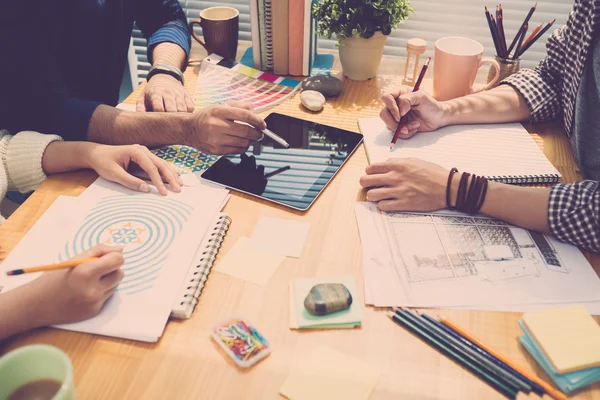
{"points": [[294, 176]]}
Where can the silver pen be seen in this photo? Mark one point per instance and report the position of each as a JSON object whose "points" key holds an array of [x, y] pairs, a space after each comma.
{"points": [[270, 134], [276, 138]]}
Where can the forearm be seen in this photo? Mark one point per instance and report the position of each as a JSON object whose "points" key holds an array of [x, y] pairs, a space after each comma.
{"points": [[501, 104], [18, 312], [170, 54], [522, 206], [112, 126]]}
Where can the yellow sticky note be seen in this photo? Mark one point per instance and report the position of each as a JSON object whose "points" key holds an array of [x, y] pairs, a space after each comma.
{"points": [[326, 374], [246, 263], [569, 337]]}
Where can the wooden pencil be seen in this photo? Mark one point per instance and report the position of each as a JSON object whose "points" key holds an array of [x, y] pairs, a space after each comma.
{"points": [[51, 267], [557, 395], [520, 31], [495, 37], [502, 38], [535, 39], [467, 352], [535, 32], [458, 358], [489, 21], [517, 53], [525, 383]]}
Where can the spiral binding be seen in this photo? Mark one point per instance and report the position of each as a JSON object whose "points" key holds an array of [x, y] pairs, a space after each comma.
{"points": [[197, 283], [268, 35], [526, 179]]}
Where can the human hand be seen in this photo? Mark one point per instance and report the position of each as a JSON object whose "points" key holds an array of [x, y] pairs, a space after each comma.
{"points": [[214, 131], [425, 114], [75, 294], [406, 184], [164, 93], [111, 163]]}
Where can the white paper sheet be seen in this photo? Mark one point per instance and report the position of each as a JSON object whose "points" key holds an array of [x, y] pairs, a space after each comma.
{"points": [[437, 260], [489, 150], [161, 236]]}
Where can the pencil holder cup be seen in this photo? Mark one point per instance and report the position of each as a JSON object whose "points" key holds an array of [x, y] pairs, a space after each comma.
{"points": [[507, 68]]}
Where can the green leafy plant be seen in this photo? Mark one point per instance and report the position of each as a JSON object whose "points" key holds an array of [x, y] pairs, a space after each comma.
{"points": [[359, 18]]}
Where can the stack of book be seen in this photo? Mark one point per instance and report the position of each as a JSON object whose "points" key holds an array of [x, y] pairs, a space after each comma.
{"points": [[566, 344], [284, 36]]}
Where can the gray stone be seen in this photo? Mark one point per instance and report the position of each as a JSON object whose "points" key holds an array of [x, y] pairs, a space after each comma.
{"points": [[327, 85], [327, 298], [312, 100]]}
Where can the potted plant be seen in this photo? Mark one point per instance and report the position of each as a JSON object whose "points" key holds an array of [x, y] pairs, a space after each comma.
{"points": [[361, 27]]}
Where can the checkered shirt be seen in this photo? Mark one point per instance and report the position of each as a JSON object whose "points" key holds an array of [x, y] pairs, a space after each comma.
{"points": [[550, 91]]}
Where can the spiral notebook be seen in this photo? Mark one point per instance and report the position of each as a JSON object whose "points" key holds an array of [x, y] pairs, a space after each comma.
{"points": [[204, 259], [503, 153]]}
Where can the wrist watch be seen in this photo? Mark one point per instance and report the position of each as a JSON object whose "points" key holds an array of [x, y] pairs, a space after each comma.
{"points": [[165, 69]]}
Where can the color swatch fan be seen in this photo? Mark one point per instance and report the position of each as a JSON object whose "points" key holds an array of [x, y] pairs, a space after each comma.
{"points": [[221, 80]]}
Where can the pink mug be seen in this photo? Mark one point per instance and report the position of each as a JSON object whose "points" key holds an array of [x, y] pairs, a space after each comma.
{"points": [[455, 66]]}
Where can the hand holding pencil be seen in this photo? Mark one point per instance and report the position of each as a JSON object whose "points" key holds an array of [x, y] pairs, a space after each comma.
{"points": [[72, 293]]}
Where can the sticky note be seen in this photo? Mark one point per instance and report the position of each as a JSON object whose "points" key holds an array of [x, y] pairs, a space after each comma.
{"points": [[325, 374], [280, 236], [246, 263], [568, 336]]}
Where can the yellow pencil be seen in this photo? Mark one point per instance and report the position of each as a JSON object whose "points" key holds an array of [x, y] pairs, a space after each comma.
{"points": [[51, 267], [549, 389]]}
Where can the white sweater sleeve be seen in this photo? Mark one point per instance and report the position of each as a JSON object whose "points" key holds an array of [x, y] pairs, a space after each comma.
{"points": [[22, 159]]}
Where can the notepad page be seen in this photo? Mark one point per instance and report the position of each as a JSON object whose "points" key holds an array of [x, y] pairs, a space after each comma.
{"points": [[569, 336], [493, 150]]}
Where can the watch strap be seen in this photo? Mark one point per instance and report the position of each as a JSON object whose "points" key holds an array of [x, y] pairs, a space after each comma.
{"points": [[165, 69]]}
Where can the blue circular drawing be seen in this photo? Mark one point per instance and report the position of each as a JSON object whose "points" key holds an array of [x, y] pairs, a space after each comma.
{"points": [[146, 225]]}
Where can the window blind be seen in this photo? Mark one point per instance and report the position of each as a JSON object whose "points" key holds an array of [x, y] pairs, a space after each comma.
{"points": [[432, 20]]}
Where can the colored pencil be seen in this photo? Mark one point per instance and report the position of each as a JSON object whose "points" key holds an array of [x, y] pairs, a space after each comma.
{"points": [[547, 388], [492, 31], [520, 31], [416, 88], [496, 38], [517, 53], [539, 35], [500, 19], [472, 355], [525, 382], [535, 32], [51, 267], [491, 380]]}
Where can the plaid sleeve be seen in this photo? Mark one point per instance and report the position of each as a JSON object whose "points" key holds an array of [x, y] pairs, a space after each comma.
{"points": [[574, 214], [542, 87]]}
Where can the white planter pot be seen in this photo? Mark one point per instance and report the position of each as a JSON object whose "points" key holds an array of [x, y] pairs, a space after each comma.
{"points": [[360, 57]]}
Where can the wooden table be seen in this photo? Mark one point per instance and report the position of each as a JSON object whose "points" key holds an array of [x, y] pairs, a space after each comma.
{"points": [[186, 364]]}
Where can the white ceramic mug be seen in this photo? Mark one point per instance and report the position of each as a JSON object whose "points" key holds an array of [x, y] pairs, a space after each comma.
{"points": [[455, 67]]}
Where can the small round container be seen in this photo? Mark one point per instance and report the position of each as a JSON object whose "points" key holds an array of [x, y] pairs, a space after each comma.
{"points": [[507, 68]]}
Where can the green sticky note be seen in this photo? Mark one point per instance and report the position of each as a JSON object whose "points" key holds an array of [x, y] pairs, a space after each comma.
{"points": [[300, 318]]}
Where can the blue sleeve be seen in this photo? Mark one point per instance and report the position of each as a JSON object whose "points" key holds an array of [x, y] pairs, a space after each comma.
{"points": [[163, 21], [33, 95]]}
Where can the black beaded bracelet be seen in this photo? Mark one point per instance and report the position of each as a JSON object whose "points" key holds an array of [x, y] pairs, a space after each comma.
{"points": [[449, 188]]}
